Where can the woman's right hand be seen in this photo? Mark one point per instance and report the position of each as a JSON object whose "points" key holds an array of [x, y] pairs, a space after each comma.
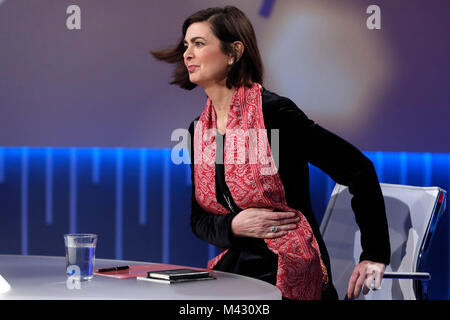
{"points": [[258, 223]]}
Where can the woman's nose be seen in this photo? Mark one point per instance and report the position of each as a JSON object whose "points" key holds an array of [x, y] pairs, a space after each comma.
{"points": [[187, 54]]}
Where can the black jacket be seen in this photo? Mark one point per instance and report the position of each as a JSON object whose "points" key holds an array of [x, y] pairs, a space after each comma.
{"points": [[301, 141]]}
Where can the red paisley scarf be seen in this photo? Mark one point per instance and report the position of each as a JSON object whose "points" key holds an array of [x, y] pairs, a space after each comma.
{"points": [[252, 178]]}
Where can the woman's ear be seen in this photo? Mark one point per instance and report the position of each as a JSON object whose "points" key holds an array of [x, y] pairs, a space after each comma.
{"points": [[238, 50]]}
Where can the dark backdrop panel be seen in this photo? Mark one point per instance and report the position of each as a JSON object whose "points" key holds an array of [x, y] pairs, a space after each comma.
{"points": [[383, 89]]}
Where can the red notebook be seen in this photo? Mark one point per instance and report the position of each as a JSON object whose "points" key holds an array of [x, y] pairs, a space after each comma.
{"points": [[140, 270]]}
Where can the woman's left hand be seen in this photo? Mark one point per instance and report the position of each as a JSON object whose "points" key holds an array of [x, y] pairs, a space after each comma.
{"points": [[364, 274]]}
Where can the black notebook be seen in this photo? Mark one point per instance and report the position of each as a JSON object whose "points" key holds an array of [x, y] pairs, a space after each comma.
{"points": [[173, 281], [178, 274]]}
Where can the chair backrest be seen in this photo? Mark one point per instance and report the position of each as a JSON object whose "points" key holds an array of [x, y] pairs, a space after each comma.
{"points": [[412, 214]]}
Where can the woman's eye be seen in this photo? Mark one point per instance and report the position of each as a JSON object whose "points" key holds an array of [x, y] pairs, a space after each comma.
{"points": [[197, 44]]}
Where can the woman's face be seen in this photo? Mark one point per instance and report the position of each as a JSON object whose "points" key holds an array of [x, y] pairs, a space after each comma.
{"points": [[206, 62]]}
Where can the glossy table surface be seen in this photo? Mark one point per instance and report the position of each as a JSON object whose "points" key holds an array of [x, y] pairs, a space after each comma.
{"points": [[44, 277]]}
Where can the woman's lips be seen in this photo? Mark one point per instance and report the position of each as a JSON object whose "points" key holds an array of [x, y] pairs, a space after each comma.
{"points": [[192, 68]]}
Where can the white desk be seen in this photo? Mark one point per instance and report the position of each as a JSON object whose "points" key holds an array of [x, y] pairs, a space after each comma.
{"points": [[43, 277]]}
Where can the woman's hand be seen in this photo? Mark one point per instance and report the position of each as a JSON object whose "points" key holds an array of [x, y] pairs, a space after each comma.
{"points": [[364, 274], [259, 223]]}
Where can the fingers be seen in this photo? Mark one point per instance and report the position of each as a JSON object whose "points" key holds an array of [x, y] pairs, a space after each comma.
{"points": [[283, 218], [357, 280], [281, 215], [284, 221], [377, 271], [281, 231], [274, 235], [358, 285], [352, 283], [365, 290], [368, 284], [366, 276], [287, 221], [283, 228], [378, 278], [264, 223]]}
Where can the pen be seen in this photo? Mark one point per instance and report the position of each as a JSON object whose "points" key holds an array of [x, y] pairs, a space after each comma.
{"points": [[113, 269]]}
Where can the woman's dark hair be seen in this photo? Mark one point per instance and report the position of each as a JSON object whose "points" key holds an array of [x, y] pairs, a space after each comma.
{"points": [[228, 24]]}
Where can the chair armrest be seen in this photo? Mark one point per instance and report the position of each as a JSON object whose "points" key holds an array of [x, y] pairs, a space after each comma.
{"points": [[407, 275]]}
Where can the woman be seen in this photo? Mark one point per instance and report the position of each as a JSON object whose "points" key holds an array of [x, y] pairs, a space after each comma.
{"points": [[258, 210]]}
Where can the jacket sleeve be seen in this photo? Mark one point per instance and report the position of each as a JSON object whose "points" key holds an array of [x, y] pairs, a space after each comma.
{"points": [[212, 228], [346, 165]]}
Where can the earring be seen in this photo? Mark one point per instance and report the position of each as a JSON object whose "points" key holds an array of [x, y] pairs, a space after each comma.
{"points": [[231, 62]]}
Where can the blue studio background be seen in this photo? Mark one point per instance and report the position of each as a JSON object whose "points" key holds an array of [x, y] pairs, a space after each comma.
{"points": [[86, 114], [138, 202]]}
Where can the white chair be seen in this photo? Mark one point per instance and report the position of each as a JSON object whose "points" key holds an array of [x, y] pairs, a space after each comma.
{"points": [[412, 214]]}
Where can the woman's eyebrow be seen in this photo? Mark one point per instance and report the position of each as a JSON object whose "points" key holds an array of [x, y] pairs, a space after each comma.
{"points": [[193, 39]]}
